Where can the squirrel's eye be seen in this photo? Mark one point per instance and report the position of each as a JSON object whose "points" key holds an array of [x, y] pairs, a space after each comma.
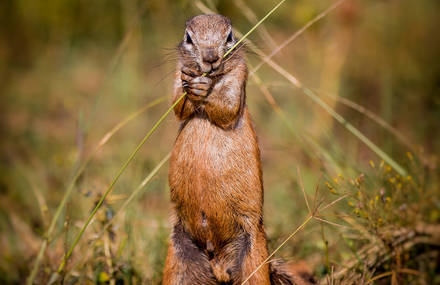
{"points": [[188, 39], [230, 37]]}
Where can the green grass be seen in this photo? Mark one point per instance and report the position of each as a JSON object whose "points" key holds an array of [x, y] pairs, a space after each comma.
{"points": [[69, 81]]}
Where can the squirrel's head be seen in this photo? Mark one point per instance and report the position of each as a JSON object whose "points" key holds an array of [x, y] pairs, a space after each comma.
{"points": [[207, 38]]}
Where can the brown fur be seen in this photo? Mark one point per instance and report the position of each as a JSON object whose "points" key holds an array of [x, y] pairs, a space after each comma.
{"points": [[215, 171]]}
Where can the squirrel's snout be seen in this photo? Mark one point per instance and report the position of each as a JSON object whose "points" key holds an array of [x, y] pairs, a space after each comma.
{"points": [[210, 55], [211, 60]]}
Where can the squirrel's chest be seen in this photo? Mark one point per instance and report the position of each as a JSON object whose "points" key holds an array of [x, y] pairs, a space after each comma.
{"points": [[213, 164], [204, 158]]}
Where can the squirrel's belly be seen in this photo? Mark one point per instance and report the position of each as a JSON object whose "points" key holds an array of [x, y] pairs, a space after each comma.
{"points": [[215, 178]]}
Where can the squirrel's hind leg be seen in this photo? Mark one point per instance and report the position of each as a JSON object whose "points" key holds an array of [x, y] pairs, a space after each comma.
{"points": [[256, 254], [186, 264]]}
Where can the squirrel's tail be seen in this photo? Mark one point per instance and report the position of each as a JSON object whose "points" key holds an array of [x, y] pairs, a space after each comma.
{"points": [[287, 273]]}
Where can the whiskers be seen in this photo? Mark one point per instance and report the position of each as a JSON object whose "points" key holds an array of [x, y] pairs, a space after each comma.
{"points": [[169, 55], [167, 63]]}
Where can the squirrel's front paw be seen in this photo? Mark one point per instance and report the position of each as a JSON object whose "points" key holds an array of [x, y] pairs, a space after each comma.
{"points": [[196, 85]]}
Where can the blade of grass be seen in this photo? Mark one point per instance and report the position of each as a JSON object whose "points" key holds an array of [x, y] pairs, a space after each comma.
{"points": [[138, 147], [386, 274], [352, 249], [79, 171], [130, 117], [332, 203], [397, 167]]}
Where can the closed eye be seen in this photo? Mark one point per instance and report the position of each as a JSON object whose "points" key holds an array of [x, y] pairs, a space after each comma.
{"points": [[230, 37], [188, 39]]}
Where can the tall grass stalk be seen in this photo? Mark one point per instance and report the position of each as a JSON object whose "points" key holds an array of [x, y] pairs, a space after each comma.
{"points": [[292, 79], [138, 147], [78, 172]]}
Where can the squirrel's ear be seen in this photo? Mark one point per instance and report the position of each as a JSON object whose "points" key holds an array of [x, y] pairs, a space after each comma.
{"points": [[230, 37]]}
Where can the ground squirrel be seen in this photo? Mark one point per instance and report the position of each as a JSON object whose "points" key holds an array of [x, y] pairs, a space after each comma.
{"points": [[215, 172]]}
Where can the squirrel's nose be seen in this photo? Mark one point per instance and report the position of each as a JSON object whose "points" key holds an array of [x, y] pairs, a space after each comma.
{"points": [[210, 57]]}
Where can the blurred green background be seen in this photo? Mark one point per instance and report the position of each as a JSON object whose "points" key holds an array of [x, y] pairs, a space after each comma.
{"points": [[72, 70]]}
